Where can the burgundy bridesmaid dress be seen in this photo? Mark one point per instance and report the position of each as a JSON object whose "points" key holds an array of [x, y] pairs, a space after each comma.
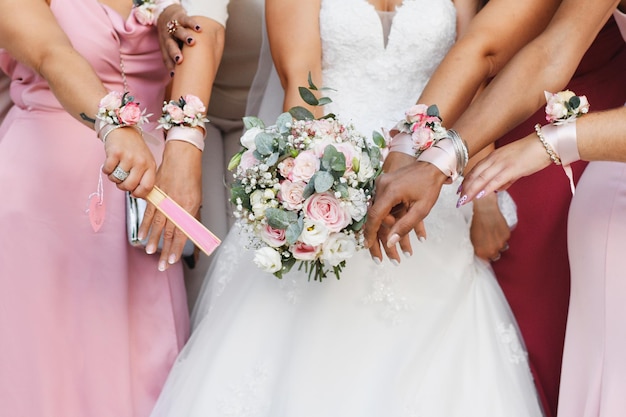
{"points": [[534, 273]]}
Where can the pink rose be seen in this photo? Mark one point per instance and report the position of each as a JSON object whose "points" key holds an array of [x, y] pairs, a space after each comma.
{"points": [[273, 237], [325, 208], [291, 194], [304, 252], [193, 106], [175, 112], [111, 101], [321, 144], [248, 160], [144, 15], [305, 165], [422, 138], [130, 114], [416, 113], [286, 166]]}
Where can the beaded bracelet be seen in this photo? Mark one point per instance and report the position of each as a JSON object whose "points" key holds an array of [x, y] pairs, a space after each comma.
{"points": [[553, 155], [118, 110], [184, 119]]}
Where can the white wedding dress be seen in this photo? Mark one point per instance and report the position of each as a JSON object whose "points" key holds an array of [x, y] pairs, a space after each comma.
{"points": [[433, 337]]}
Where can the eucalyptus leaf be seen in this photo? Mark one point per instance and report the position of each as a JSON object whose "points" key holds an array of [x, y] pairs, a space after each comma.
{"points": [[433, 110], [324, 101], [272, 159], [333, 160], [238, 192], [309, 189], [300, 113], [574, 102], [310, 81], [342, 189], [283, 122], [308, 97], [264, 143], [280, 219], [294, 230], [323, 181], [250, 121]]}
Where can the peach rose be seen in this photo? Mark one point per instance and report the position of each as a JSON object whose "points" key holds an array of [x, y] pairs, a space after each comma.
{"points": [[305, 165], [291, 194]]}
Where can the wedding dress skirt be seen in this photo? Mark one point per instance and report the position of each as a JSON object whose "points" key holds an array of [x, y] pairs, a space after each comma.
{"points": [[431, 337]]}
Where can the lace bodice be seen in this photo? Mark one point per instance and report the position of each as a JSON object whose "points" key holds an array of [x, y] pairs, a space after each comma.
{"points": [[361, 69]]}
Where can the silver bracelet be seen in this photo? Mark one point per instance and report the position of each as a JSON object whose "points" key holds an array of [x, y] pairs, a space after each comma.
{"points": [[460, 149]]}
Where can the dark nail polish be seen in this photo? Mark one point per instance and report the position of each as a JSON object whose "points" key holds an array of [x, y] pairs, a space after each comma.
{"points": [[458, 191], [177, 58], [171, 73], [197, 27], [189, 40]]}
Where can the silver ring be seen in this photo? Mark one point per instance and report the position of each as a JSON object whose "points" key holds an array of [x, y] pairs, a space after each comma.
{"points": [[496, 258], [120, 174]]}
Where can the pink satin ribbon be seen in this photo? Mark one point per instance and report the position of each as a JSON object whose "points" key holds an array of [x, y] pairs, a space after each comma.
{"points": [[443, 156], [187, 134], [562, 139], [402, 142]]}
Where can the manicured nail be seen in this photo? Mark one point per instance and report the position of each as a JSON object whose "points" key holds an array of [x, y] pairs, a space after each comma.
{"points": [[177, 58], [395, 262], [458, 191], [480, 195], [407, 254], [189, 40], [422, 239], [172, 259], [198, 27], [171, 74], [150, 249], [161, 266], [461, 201], [393, 239], [376, 260], [140, 236]]}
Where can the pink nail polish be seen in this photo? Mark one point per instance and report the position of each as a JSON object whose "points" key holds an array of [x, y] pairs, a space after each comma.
{"points": [[461, 201], [480, 194]]}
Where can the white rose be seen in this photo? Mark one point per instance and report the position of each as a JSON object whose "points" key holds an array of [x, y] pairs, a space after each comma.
{"points": [[338, 248], [358, 204], [247, 140], [314, 233], [268, 259]]}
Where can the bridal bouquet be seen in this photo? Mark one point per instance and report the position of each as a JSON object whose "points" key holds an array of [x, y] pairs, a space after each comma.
{"points": [[302, 188]]}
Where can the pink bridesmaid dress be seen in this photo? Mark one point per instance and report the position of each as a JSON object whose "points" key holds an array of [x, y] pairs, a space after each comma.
{"points": [[90, 327], [593, 380]]}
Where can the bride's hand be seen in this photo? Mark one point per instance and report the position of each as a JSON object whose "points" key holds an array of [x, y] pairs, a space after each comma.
{"points": [[393, 162], [415, 186], [171, 37]]}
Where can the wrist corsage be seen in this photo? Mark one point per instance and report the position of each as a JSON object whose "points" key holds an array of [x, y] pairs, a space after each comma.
{"points": [[147, 12], [118, 110], [422, 135], [559, 137], [422, 126], [181, 119]]}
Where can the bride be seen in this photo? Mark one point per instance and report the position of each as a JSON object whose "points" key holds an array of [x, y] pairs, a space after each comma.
{"points": [[431, 336]]}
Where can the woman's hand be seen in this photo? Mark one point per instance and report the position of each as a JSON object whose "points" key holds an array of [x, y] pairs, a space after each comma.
{"points": [[126, 149], [175, 27], [489, 231], [416, 187], [393, 162], [503, 167], [179, 176]]}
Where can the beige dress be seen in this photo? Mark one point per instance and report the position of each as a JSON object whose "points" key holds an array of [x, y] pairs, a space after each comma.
{"points": [[226, 109]]}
